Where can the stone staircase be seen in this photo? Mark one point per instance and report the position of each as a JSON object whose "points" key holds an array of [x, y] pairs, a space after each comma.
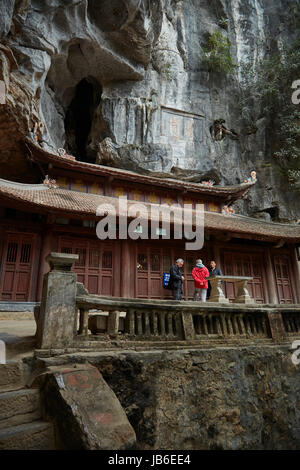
{"points": [[21, 423]]}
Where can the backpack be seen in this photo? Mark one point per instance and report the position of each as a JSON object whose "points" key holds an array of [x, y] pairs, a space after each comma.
{"points": [[166, 281]]}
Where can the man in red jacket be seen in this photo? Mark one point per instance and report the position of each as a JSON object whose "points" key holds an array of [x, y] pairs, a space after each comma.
{"points": [[199, 273]]}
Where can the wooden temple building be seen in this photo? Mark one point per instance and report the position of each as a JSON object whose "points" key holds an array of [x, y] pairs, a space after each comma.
{"points": [[36, 220]]}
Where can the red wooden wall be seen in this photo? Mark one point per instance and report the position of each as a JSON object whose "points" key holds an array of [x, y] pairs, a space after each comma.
{"points": [[18, 262], [135, 269]]}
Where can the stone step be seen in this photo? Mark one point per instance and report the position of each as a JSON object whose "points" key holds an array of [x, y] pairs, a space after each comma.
{"points": [[38, 435], [19, 407], [11, 376]]}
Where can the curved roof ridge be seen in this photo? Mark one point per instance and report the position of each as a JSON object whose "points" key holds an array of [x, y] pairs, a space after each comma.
{"points": [[22, 186], [84, 205], [257, 220], [119, 172]]}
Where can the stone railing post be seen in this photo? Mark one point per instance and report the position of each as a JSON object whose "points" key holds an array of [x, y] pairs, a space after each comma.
{"points": [[276, 326], [56, 324], [217, 294], [113, 322], [243, 296], [83, 321], [188, 326]]}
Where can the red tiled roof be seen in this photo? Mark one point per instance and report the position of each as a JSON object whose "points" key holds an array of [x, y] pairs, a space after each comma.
{"points": [[232, 192], [66, 203]]}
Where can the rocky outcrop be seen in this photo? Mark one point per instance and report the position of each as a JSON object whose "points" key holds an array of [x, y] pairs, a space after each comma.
{"points": [[146, 86], [85, 411], [220, 398], [234, 397]]}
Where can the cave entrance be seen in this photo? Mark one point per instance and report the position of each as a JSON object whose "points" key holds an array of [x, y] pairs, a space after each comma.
{"points": [[79, 119]]}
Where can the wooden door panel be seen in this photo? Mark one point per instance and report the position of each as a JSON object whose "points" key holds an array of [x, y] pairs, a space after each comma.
{"points": [[106, 285], [283, 279], [94, 267], [22, 282], [152, 262], [244, 264], [18, 267], [142, 287], [92, 284], [8, 281]]}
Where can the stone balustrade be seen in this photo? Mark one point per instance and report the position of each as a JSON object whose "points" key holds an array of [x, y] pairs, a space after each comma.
{"points": [[67, 304], [291, 322]]}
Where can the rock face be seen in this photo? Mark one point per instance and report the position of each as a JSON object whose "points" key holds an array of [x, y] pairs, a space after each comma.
{"points": [[85, 411], [217, 398], [132, 71]]}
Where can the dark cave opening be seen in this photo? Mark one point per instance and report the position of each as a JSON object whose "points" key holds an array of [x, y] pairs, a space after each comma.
{"points": [[79, 119]]}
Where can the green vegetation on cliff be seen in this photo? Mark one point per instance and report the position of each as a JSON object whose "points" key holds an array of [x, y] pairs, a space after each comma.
{"points": [[217, 55], [267, 93]]}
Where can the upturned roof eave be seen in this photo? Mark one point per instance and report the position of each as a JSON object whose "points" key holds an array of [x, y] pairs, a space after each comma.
{"points": [[213, 222], [229, 192]]}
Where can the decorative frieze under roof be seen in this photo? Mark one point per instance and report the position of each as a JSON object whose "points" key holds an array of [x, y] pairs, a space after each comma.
{"points": [[68, 203], [227, 194]]}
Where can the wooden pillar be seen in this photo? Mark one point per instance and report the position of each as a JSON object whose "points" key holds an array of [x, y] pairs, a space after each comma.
{"points": [[3, 236], [43, 264], [271, 279], [116, 268], [126, 281], [295, 274], [216, 252]]}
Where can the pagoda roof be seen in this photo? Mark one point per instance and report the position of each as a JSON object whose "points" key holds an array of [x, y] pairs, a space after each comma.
{"points": [[68, 203], [227, 193]]}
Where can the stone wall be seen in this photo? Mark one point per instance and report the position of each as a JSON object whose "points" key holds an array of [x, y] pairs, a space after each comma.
{"points": [[214, 398]]}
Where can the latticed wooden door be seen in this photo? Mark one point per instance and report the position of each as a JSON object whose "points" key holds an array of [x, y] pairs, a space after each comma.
{"points": [[283, 279], [242, 264], [152, 262], [17, 268], [94, 267]]}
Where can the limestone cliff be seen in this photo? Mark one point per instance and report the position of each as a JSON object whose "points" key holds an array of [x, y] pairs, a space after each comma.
{"points": [[123, 82]]}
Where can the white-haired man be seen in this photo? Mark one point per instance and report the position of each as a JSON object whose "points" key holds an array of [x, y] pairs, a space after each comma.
{"points": [[176, 279]]}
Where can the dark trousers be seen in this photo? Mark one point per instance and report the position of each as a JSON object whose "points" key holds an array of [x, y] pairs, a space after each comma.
{"points": [[208, 290], [177, 293]]}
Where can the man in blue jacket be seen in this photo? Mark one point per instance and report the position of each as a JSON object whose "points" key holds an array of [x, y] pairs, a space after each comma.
{"points": [[176, 279], [213, 271]]}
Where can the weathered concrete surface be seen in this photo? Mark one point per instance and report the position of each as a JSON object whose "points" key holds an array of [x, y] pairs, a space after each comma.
{"points": [[214, 398], [56, 323], [19, 407], [276, 326], [86, 412], [11, 375], [32, 436], [21, 425]]}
